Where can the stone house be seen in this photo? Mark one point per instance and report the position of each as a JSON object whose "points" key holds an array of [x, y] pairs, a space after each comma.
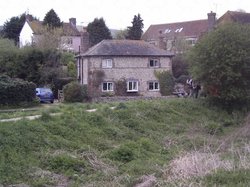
{"points": [[71, 38], [123, 67]]}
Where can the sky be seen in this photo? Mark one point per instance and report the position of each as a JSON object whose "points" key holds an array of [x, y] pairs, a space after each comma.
{"points": [[118, 14]]}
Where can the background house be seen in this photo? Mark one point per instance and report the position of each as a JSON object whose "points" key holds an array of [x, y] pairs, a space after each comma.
{"points": [[109, 64], [72, 37], [179, 36], [173, 36], [234, 16]]}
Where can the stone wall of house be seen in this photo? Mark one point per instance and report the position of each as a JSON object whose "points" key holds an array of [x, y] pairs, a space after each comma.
{"points": [[136, 68]]}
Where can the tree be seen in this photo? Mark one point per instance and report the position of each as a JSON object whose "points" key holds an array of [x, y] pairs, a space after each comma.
{"points": [[135, 32], [121, 34], [98, 31], [52, 20], [221, 62], [13, 27]]}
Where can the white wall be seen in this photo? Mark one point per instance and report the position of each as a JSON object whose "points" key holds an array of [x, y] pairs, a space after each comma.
{"points": [[26, 35]]}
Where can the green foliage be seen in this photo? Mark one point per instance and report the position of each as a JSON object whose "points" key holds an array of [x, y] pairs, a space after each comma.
{"points": [[135, 32], [52, 20], [166, 81], [135, 139], [228, 178], [66, 58], [72, 69], [121, 34], [98, 31], [15, 91], [65, 164], [123, 154], [213, 128], [8, 57], [75, 92], [13, 27], [220, 61], [179, 66], [121, 87]]}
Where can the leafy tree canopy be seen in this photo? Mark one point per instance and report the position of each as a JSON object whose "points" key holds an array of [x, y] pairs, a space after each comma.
{"points": [[98, 31], [52, 20], [13, 27], [135, 32], [221, 62]]}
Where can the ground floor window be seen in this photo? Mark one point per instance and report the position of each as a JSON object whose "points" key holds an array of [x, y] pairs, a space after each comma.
{"points": [[107, 86], [132, 86], [153, 86]]}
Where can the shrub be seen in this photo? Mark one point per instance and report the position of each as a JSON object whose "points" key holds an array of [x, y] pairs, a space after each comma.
{"points": [[123, 154], [16, 91], [213, 128], [166, 81], [75, 92]]}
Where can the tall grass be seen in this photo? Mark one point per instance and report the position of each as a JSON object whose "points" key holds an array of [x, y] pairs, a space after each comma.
{"points": [[109, 147]]}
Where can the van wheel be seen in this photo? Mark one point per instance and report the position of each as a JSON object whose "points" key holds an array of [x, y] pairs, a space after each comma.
{"points": [[52, 101]]}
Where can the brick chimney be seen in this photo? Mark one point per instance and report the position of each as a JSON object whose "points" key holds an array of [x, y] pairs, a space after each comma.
{"points": [[72, 21], [211, 18]]}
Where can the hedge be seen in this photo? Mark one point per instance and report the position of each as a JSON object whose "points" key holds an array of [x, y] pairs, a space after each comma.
{"points": [[15, 91]]}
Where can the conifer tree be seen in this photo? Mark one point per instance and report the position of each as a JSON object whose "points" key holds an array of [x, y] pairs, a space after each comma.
{"points": [[98, 31], [135, 32], [52, 20]]}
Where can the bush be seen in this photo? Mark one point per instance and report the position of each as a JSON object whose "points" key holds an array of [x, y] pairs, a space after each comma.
{"points": [[75, 92], [166, 81], [123, 154], [16, 91]]}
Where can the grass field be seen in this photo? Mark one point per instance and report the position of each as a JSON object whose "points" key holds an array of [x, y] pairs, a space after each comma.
{"points": [[175, 142]]}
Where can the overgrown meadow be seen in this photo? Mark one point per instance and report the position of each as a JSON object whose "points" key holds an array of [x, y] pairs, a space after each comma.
{"points": [[175, 142]]}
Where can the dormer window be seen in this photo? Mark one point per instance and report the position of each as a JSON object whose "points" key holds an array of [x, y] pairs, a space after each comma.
{"points": [[154, 63], [107, 63]]}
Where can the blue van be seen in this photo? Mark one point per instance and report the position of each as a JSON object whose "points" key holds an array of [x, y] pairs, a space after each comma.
{"points": [[45, 95]]}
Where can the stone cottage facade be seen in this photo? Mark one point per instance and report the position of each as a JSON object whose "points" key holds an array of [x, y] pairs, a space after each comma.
{"points": [[127, 66]]}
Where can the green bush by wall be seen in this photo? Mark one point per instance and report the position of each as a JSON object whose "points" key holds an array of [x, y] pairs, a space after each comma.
{"points": [[15, 91]]}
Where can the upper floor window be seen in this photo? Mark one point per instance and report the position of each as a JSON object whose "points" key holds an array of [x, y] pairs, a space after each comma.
{"points": [[153, 85], [69, 41], [132, 86], [154, 63], [107, 86], [107, 63]]}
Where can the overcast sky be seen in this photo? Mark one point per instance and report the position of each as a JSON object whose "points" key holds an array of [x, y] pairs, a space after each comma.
{"points": [[118, 14]]}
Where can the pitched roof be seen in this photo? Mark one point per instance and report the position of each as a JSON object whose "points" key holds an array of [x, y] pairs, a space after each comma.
{"points": [[68, 29], [125, 48], [234, 16], [186, 29]]}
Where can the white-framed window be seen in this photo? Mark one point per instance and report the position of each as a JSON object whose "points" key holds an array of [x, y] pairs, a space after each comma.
{"points": [[107, 86], [153, 86], [107, 63], [132, 86], [154, 63]]}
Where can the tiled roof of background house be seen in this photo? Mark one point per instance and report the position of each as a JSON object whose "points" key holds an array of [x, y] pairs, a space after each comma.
{"points": [[234, 16], [125, 48], [68, 28], [185, 29]]}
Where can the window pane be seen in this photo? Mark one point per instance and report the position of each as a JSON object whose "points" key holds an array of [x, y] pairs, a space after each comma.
{"points": [[110, 86], [104, 86], [151, 86], [156, 85], [151, 63]]}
